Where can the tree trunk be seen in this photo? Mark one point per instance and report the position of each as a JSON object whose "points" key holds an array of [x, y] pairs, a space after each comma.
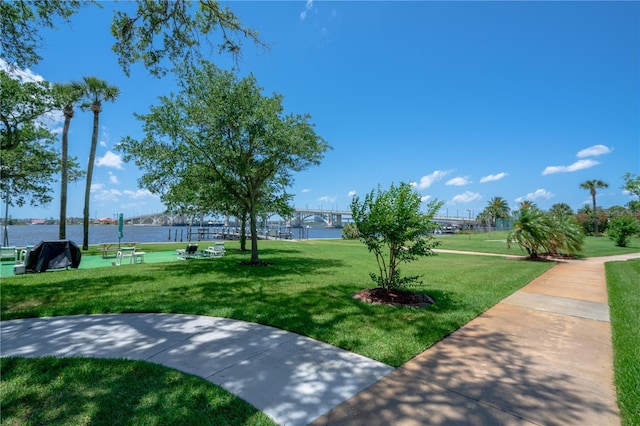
{"points": [[595, 215], [62, 232], [87, 190], [254, 234], [243, 233]]}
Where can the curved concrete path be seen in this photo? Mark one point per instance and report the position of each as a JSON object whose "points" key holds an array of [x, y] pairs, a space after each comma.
{"points": [[542, 356], [291, 378]]}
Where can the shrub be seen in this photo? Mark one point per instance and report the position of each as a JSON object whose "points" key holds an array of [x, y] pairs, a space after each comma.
{"points": [[350, 231], [535, 231], [622, 228], [393, 228]]}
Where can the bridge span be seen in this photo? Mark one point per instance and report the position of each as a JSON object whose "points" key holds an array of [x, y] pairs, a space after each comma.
{"points": [[331, 218]]}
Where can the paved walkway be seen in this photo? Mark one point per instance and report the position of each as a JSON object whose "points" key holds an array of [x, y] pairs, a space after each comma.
{"points": [[292, 378], [541, 356]]}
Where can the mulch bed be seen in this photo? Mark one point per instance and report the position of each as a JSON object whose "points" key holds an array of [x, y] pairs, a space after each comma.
{"points": [[380, 296]]}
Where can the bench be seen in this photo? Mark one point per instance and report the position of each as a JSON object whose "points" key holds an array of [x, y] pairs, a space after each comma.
{"points": [[113, 248], [8, 253]]}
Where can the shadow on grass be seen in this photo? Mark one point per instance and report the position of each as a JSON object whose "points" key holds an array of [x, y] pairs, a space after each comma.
{"points": [[70, 390]]}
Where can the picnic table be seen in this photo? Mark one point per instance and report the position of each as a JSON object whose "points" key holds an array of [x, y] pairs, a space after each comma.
{"points": [[113, 248]]}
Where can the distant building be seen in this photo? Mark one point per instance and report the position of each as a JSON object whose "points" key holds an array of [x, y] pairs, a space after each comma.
{"points": [[107, 221], [38, 221]]}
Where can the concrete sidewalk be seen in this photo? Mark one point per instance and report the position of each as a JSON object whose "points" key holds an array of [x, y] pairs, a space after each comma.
{"points": [[291, 378], [541, 356]]}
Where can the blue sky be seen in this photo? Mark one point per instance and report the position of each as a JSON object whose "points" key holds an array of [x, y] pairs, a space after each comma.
{"points": [[469, 100]]}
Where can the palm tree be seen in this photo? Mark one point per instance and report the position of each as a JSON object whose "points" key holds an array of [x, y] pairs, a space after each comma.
{"points": [[95, 92], [532, 231], [561, 209], [592, 185], [68, 95], [498, 208]]}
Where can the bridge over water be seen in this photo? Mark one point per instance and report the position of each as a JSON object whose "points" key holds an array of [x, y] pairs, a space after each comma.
{"points": [[331, 218]]}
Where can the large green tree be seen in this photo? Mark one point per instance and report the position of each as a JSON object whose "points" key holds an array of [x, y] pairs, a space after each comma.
{"points": [[26, 171], [21, 103], [240, 143], [157, 33], [21, 22], [177, 31], [68, 95], [392, 226], [592, 186], [94, 92]]}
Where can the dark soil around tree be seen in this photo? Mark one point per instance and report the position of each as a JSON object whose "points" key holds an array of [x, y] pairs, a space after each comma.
{"points": [[255, 263], [396, 297]]}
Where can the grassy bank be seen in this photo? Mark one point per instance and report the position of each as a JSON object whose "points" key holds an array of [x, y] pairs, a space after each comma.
{"points": [[624, 300]]}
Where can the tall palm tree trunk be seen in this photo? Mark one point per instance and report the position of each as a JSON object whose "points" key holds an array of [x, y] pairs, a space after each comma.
{"points": [[62, 232], [87, 190], [595, 213]]}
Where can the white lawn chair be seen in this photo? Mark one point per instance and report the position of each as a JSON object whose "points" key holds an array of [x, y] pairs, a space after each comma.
{"points": [[217, 250]]}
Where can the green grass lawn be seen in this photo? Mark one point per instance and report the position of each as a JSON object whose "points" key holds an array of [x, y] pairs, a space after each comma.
{"points": [[495, 242], [82, 391], [623, 285]]}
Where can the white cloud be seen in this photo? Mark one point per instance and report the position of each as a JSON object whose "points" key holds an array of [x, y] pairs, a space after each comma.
{"points": [[493, 178], [327, 199], [95, 187], [107, 195], [428, 180], [22, 75], [539, 194], [307, 8], [140, 193], [458, 181], [352, 194], [594, 151], [110, 159], [425, 198], [304, 191], [113, 178], [578, 165], [466, 197]]}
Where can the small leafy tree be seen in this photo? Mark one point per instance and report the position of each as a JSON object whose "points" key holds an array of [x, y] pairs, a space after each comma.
{"points": [[350, 231], [391, 225], [622, 228]]}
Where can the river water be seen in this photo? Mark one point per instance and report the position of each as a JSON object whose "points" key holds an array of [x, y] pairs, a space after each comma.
{"points": [[23, 235]]}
